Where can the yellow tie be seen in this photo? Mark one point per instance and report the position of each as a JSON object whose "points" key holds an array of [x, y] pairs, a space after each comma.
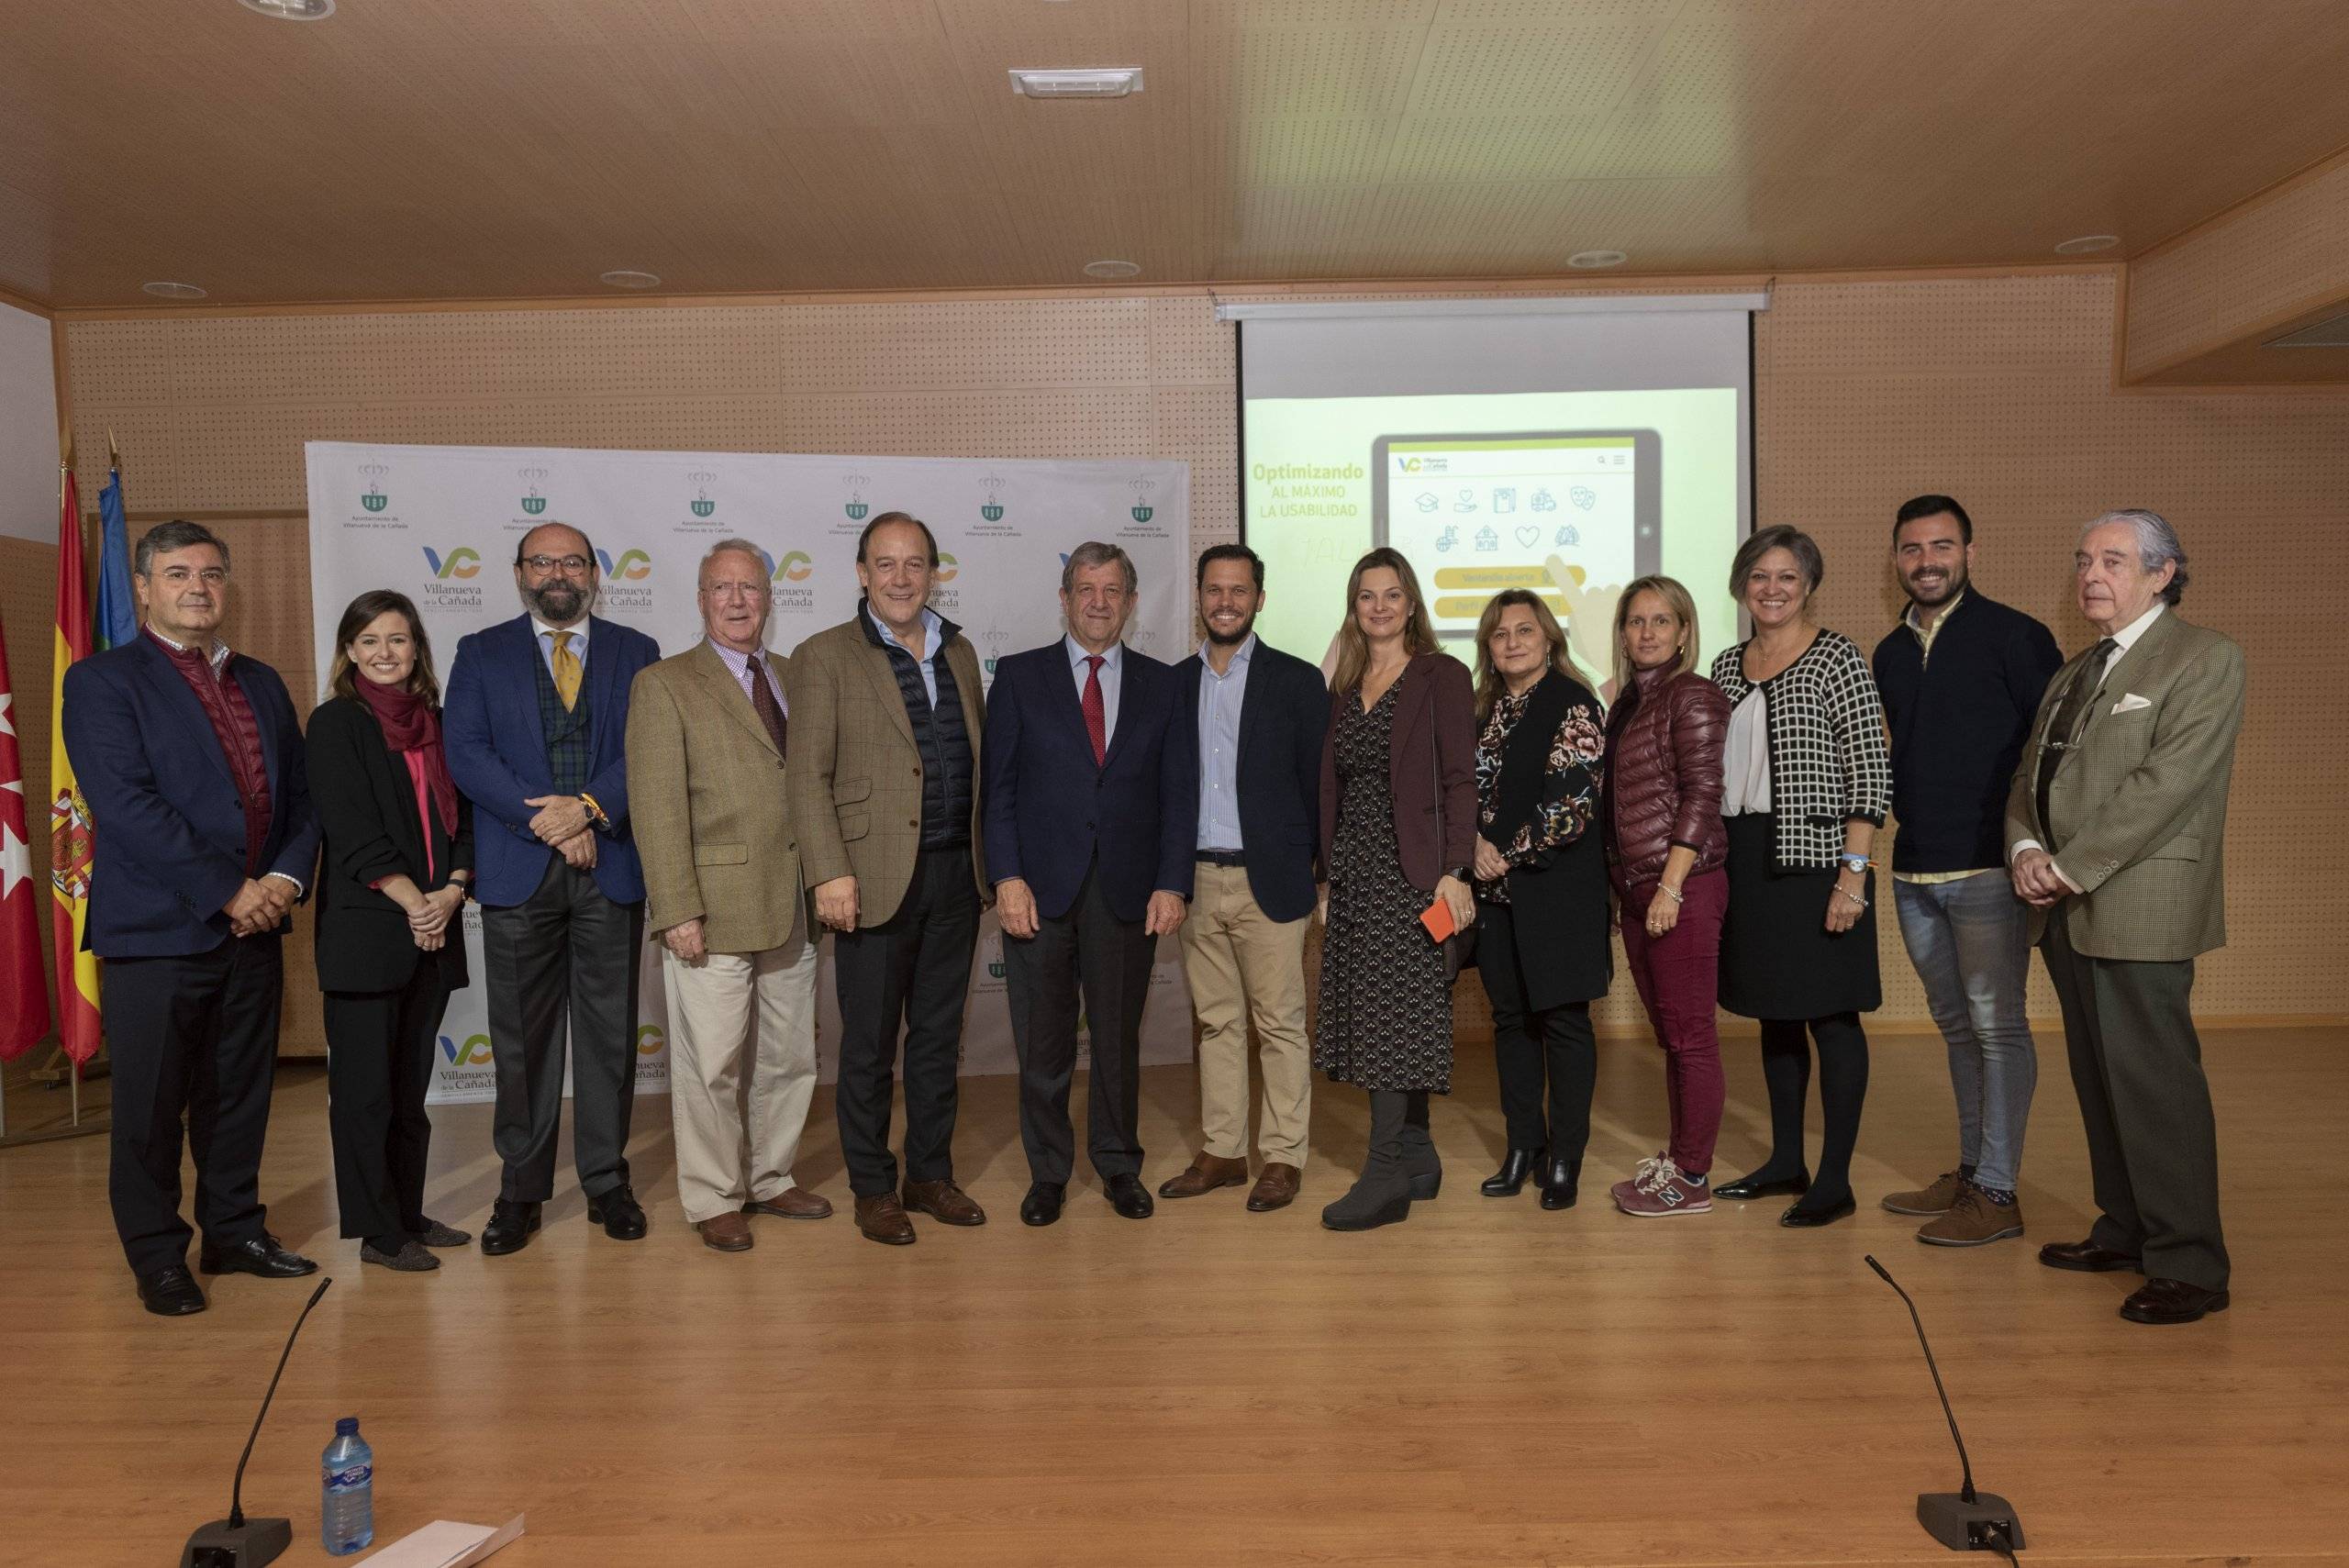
{"points": [[566, 672]]}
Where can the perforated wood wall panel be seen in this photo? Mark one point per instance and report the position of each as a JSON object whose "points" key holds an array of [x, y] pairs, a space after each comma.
{"points": [[1994, 390]]}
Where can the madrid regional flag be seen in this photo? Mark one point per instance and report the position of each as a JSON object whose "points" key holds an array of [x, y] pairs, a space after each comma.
{"points": [[24, 999], [69, 813]]}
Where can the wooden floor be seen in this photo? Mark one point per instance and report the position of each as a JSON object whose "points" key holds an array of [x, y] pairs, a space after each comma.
{"points": [[1487, 1383]]}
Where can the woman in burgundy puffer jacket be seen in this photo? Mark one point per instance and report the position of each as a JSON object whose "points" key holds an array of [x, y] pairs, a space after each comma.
{"points": [[1665, 846]]}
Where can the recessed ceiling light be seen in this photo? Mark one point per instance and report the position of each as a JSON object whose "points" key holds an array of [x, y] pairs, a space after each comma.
{"points": [[1588, 258], [292, 10], [2088, 243], [1112, 82], [625, 279], [1111, 268], [173, 291]]}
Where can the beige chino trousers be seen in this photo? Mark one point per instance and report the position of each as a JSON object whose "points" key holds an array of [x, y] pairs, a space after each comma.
{"points": [[1246, 968], [737, 1132]]}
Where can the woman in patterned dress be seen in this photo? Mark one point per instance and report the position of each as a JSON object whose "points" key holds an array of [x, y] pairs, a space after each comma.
{"points": [[1399, 820], [1542, 946]]}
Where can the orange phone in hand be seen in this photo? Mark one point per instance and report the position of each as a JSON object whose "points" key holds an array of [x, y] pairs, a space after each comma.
{"points": [[1438, 920]]}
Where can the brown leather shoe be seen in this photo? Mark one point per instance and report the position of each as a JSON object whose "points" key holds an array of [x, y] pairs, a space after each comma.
{"points": [[883, 1218], [944, 1202], [1276, 1189], [1208, 1173], [792, 1203], [725, 1233]]}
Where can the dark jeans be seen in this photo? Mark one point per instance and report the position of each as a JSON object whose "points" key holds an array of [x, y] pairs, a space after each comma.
{"points": [[192, 1035], [913, 969], [1531, 1046], [379, 1065], [565, 956], [1091, 951], [1679, 977]]}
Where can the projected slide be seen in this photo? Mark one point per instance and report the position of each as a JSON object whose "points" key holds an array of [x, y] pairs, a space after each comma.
{"points": [[1570, 494]]}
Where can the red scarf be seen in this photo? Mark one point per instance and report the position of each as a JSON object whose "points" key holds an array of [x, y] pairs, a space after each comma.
{"points": [[410, 724]]}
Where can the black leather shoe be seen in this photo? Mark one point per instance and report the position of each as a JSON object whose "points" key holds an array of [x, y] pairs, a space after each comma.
{"points": [[2172, 1301], [1043, 1203], [511, 1225], [170, 1292], [262, 1256], [620, 1214], [1516, 1165], [1804, 1216], [1745, 1189], [2086, 1258], [1131, 1198], [1559, 1181]]}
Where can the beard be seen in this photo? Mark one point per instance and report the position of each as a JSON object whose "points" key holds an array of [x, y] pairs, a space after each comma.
{"points": [[1234, 638], [1934, 597], [557, 600]]}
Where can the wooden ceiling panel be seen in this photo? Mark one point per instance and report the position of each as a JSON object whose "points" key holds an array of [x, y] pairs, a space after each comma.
{"points": [[450, 148]]}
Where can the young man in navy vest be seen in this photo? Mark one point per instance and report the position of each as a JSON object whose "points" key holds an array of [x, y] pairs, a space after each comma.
{"points": [[535, 723], [1961, 677], [191, 761]]}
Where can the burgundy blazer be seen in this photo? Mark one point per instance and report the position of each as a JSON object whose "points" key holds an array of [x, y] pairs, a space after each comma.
{"points": [[1434, 737]]}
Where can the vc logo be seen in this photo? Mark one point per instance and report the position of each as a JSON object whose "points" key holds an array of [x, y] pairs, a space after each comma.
{"points": [[796, 567], [460, 562], [946, 568], [631, 565], [1408, 465], [650, 1040], [474, 1053]]}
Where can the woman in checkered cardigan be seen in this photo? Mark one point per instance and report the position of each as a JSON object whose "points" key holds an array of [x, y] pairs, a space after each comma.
{"points": [[1807, 777]]}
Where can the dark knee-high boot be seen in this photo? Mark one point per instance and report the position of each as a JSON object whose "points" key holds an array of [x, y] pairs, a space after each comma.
{"points": [[1382, 1194]]}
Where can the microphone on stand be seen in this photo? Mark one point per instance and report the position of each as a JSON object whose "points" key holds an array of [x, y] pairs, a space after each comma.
{"points": [[1963, 1521], [237, 1541]]}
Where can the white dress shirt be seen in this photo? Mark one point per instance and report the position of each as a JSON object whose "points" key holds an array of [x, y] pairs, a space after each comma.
{"points": [[546, 641]]}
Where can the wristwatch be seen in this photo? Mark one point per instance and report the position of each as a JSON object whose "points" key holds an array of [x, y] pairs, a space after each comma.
{"points": [[1856, 864]]}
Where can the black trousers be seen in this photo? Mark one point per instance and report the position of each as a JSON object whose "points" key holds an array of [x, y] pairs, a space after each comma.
{"points": [[2153, 1138], [567, 955], [1088, 949], [1533, 1047], [379, 1065], [913, 970], [192, 1035]]}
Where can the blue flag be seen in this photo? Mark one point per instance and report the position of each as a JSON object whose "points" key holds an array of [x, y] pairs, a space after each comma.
{"points": [[117, 621]]}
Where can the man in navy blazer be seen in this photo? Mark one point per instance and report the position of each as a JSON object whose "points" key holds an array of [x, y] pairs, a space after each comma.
{"points": [[1260, 715], [534, 724], [191, 761], [1089, 798]]}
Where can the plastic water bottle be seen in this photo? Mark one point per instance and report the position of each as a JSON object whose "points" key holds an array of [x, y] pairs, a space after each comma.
{"points": [[346, 1508]]}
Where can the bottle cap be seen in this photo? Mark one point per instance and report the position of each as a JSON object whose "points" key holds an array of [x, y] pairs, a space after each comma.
{"points": [[347, 1426]]}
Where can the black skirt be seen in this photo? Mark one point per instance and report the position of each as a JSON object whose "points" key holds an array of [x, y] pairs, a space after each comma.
{"points": [[1778, 959]]}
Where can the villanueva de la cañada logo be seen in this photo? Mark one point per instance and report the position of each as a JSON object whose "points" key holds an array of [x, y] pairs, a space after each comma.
{"points": [[472, 1052], [534, 500], [794, 566], [785, 576], [460, 562], [632, 565], [372, 497], [946, 568], [991, 504], [1142, 511], [701, 506], [450, 584], [854, 507]]}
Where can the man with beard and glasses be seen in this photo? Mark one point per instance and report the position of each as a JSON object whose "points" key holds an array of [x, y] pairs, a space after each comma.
{"points": [[1961, 677], [535, 721], [1260, 714]]}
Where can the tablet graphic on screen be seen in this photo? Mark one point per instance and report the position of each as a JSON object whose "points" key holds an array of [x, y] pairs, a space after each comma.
{"points": [[1476, 512]]}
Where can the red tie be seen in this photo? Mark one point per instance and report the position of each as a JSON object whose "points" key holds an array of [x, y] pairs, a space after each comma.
{"points": [[1096, 716]]}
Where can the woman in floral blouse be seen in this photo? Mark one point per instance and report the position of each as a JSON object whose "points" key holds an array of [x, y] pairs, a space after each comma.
{"points": [[1540, 889]]}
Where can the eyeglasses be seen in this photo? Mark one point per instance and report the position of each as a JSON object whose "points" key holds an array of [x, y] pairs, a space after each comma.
{"points": [[569, 565]]}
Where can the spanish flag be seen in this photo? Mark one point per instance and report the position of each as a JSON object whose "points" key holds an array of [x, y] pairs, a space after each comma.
{"points": [[69, 813]]}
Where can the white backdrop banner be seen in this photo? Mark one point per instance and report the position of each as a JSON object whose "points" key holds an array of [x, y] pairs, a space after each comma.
{"points": [[441, 525]]}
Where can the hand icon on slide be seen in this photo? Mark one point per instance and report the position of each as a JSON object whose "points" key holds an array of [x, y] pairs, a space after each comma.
{"points": [[1590, 617]]}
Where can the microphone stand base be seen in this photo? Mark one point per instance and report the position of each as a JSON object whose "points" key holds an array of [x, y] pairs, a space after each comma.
{"points": [[1961, 1526], [249, 1545]]}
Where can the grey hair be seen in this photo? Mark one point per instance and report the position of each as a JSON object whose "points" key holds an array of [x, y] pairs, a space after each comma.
{"points": [[1093, 553], [726, 547], [177, 534], [2156, 544]]}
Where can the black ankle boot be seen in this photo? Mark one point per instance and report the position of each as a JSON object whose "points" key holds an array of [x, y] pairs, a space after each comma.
{"points": [[1558, 1184], [1516, 1165]]}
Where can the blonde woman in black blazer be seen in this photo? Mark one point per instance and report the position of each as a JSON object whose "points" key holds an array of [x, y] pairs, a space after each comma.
{"points": [[398, 853], [1806, 780]]}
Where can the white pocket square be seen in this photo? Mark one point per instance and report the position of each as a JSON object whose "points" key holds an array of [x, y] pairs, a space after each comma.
{"points": [[2132, 703]]}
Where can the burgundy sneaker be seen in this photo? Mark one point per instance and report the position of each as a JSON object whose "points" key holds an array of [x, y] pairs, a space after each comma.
{"points": [[1657, 1188]]}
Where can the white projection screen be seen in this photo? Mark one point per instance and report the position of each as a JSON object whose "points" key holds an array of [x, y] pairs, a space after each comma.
{"points": [[1564, 445]]}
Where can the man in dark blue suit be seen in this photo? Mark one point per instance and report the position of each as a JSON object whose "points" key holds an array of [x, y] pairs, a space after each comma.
{"points": [[1260, 715], [192, 760], [534, 724], [1090, 805]]}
